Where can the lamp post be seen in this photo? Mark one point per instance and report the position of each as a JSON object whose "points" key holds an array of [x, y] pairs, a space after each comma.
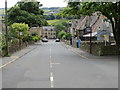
{"points": [[6, 24]]}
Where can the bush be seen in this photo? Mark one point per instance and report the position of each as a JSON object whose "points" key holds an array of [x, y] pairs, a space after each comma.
{"points": [[15, 41], [28, 38], [2, 41], [36, 38]]}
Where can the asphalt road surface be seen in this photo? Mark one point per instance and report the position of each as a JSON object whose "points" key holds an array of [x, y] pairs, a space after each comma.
{"points": [[52, 65]]}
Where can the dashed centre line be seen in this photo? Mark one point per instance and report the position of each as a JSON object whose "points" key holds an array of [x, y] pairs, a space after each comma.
{"points": [[51, 73], [51, 80]]}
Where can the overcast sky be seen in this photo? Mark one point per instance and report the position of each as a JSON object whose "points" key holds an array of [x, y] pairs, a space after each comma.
{"points": [[46, 3]]}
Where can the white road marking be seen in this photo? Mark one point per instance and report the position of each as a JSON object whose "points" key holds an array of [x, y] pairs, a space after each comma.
{"points": [[55, 63], [51, 74], [51, 79], [9, 62], [79, 54]]}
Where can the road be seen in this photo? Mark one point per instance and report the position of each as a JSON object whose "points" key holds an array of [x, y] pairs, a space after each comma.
{"points": [[52, 65]]}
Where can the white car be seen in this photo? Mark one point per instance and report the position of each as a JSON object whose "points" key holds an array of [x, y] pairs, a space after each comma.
{"points": [[44, 40], [57, 40]]}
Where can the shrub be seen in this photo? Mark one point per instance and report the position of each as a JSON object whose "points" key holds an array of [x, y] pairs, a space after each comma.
{"points": [[36, 38], [15, 41]]}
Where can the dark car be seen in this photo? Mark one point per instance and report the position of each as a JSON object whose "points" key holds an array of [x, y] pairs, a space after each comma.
{"points": [[57, 40], [44, 40]]}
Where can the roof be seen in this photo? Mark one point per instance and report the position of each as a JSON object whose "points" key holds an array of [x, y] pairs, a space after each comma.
{"points": [[48, 27]]}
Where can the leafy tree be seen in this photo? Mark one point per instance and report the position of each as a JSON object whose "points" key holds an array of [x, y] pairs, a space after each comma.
{"points": [[28, 13], [60, 27], [16, 28], [61, 34], [31, 7], [68, 36]]}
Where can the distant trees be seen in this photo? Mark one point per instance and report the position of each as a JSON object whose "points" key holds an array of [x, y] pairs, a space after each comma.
{"points": [[49, 17], [28, 13], [63, 35], [60, 27]]}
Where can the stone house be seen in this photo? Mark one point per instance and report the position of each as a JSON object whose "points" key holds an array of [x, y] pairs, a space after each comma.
{"points": [[81, 27], [37, 30], [49, 32]]}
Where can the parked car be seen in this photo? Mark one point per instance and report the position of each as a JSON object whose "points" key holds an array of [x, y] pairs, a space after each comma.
{"points": [[44, 40], [57, 40]]}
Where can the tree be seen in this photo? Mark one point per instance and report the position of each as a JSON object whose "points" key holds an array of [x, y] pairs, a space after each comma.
{"points": [[16, 28], [61, 34], [28, 13], [60, 27], [31, 7], [68, 36]]}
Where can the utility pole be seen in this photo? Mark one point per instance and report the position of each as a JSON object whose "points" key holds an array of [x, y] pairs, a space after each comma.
{"points": [[90, 30], [90, 40], [6, 24]]}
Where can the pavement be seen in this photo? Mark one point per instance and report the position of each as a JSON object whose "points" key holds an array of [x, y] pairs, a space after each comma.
{"points": [[87, 55], [15, 56]]}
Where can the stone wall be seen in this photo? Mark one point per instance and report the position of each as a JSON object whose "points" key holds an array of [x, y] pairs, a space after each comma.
{"points": [[99, 48], [16, 47]]}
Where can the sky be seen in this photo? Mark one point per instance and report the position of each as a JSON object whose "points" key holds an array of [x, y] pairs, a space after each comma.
{"points": [[46, 3]]}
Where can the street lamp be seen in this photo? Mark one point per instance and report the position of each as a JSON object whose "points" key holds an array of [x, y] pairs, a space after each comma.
{"points": [[6, 24]]}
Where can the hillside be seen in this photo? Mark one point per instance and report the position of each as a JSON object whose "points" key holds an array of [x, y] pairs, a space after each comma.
{"points": [[57, 21], [48, 11]]}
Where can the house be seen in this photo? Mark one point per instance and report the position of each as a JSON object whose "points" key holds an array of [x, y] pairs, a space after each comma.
{"points": [[82, 27], [49, 32], [99, 29], [37, 30]]}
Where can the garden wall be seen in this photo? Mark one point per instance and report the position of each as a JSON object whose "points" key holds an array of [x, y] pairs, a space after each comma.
{"points": [[15, 47], [98, 48]]}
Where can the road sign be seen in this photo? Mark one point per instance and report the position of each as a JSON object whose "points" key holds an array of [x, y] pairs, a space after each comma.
{"points": [[20, 33]]}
